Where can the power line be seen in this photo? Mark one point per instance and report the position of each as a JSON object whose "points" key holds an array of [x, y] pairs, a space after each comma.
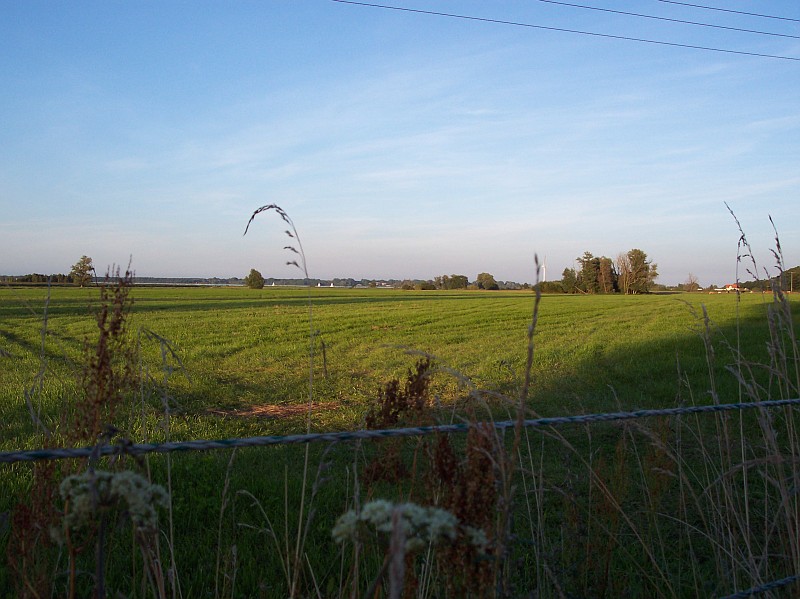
{"points": [[643, 16], [738, 12], [563, 30]]}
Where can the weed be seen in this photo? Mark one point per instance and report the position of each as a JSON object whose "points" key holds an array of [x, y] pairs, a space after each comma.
{"points": [[107, 381], [397, 406], [109, 373]]}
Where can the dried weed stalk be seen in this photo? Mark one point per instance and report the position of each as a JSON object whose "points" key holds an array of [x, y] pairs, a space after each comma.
{"points": [[397, 406], [106, 379]]}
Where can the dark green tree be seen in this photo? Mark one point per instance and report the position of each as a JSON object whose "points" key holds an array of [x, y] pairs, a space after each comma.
{"points": [[642, 272], [82, 271], [607, 276], [254, 280], [589, 273], [451, 282], [486, 281], [569, 280], [458, 282], [549, 286]]}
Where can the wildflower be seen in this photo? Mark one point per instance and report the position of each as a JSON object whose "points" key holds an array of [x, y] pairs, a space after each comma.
{"points": [[477, 537], [379, 514], [422, 526], [345, 527], [90, 492]]}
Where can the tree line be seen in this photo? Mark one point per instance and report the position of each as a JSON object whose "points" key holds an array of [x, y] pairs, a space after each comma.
{"points": [[484, 280], [82, 273], [630, 273]]}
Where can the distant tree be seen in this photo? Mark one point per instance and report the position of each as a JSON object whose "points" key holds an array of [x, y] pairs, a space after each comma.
{"points": [[82, 270], [642, 271], [451, 282], [550, 286], [607, 276], [596, 274], [425, 286], [486, 281], [589, 273], [254, 280], [624, 273], [691, 283], [458, 282], [569, 280]]}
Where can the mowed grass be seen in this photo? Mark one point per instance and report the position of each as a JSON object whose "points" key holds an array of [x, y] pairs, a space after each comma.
{"points": [[240, 349]]}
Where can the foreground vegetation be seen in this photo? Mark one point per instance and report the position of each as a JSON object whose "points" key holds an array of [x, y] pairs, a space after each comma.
{"points": [[591, 511]]}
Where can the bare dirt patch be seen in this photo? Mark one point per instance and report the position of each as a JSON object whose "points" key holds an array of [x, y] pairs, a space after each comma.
{"points": [[273, 411]]}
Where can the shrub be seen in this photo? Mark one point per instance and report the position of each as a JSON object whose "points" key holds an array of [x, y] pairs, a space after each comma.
{"points": [[254, 280]]}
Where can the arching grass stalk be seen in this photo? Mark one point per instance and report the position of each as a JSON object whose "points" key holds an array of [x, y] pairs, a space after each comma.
{"points": [[743, 250], [291, 232], [300, 252]]}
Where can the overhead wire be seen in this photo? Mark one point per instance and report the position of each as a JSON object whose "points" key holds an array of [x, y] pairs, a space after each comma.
{"points": [[738, 12], [644, 16], [565, 30]]}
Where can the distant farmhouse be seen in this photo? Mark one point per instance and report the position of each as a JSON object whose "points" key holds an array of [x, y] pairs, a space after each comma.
{"points": [[730, 288]]}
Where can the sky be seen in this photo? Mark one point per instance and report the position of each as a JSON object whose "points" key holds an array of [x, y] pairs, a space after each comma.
{"points": [[401, 144]]}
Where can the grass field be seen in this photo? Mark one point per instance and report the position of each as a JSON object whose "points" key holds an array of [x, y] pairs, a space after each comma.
{"points": [[243, 353], [244, 348]]}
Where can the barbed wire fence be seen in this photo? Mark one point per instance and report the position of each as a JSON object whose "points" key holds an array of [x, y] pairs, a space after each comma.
{"points": [[136, 449], [125, 448]]}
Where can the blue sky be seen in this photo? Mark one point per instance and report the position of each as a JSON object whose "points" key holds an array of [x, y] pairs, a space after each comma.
{"points": [[403, 145]]}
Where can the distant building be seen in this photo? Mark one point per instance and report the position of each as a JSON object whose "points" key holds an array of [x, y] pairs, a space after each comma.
{"points": [[730, 287]]}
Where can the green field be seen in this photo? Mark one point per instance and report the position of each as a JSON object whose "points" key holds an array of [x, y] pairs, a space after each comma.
{"points": [[242, 348], [241, 368]]}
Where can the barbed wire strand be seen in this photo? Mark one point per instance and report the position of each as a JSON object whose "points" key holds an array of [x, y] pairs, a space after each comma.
{"points": [[142, 448], [9, 457], [764, 588]]}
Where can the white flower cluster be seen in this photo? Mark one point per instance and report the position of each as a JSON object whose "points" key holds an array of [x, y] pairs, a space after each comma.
{"points": [[87, 493], [422, 526]]}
